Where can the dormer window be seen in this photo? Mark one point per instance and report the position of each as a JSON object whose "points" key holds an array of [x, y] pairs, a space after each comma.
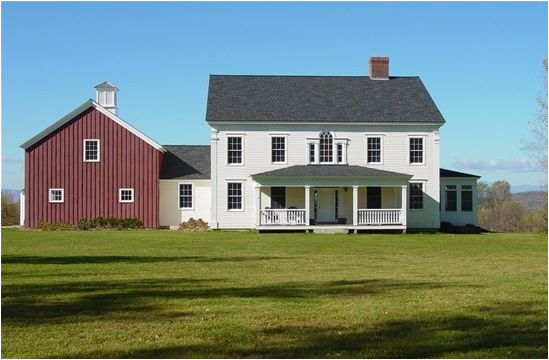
{"points": [[326, 149]]}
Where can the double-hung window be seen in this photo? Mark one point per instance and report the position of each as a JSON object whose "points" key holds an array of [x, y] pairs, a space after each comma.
{"points": [[416, 196], [234, 150], [125, 195], [466, 198], [56, 195], [234, 196], [91, 150], [374, 150], [278, 149], [185, 196], [451, 198], [416, 150]]}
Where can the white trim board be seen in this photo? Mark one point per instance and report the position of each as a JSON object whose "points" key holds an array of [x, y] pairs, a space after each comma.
{"points": [[90, 103]]}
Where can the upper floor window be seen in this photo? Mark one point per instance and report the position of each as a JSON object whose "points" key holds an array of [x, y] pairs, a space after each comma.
{"points": [[466, 198], [234, 150], [125, 195], [416, 196], [326, 147], [185, 196], [451, 198], [416, 150], [374, 150], [56, 195], [278, 149], [91, 150]]}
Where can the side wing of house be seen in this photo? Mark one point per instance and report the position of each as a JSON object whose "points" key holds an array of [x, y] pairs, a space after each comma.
{"points": [[185, 190], [458, 191], [91, 164]]}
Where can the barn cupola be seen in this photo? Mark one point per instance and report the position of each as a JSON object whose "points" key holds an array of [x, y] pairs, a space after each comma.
{"points": [[106, 96]]}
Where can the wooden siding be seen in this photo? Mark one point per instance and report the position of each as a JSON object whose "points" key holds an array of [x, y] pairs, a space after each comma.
{"points": [[91, 188]]}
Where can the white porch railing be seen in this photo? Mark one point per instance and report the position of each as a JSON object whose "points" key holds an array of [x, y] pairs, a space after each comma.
{"points": [[379, 216], [283, 217]]}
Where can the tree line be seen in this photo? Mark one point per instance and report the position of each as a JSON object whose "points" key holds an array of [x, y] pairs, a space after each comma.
{"points": [[498, 212]]}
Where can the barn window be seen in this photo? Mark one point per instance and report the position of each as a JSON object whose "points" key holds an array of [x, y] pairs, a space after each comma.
{"points": [[57, 195], [125, 195], [91, 150]]}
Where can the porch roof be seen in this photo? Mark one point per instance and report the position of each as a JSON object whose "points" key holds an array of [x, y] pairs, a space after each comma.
{"points": [[323, 171]]}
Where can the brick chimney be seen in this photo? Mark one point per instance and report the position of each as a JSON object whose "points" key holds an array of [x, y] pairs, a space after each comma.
{"points": [[379, 68]]}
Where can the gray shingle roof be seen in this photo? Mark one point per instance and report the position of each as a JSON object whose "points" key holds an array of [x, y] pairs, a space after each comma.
{"points": [[452, 173], [186, 162], [329, 171], [320, 99]]}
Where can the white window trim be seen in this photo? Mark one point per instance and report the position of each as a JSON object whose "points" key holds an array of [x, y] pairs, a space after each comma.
{"points": [[382, 142], [179, 196], [413, 136], [56, 201], [423, 183], [243, 183], [285, 136], [335, 141], [242, 142], [120, 195], [98, 150]]}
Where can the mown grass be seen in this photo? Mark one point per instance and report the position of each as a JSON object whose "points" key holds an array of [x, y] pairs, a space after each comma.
{"points": [[240, 294]]}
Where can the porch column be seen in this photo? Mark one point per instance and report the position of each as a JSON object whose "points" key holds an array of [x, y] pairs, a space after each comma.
{"points": [[355, 205], [404, 203], [257, 205], [307, 205]]}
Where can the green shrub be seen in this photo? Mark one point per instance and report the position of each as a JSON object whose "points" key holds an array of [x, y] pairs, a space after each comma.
{"points": [[110, 223], [60, 225]]}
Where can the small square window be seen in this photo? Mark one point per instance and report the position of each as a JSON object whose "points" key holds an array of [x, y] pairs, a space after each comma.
{"points": [[56, 195], [125, 195], [91, 150]]}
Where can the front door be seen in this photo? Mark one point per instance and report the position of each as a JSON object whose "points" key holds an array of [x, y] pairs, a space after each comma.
{"points": [[326, 205]]}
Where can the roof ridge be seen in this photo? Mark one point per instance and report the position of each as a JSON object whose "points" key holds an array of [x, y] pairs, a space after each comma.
{"points": [[320, 76]]}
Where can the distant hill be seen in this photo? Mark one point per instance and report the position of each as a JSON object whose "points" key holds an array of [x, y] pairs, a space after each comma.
{"points": [[525, 188], [530, 200]]}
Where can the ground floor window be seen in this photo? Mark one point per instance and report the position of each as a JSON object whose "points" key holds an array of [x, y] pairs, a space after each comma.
{"points": [[125, 195], [56, 195], [451, 198], [278, 197], [373, 197], [234, 196], [466, 198], [185, 196], [416, 196]]}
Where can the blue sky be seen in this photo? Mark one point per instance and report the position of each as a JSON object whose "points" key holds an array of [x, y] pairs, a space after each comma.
{"points": [[481, 62]]}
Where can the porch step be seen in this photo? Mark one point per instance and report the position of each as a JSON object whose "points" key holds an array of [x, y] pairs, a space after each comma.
{"points": [[331, 230]]}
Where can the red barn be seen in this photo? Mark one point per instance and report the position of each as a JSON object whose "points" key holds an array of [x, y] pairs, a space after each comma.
{"points": [[91, 163]]}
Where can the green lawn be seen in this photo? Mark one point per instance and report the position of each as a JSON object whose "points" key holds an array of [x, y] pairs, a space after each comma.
{"points": [[240, 294]]}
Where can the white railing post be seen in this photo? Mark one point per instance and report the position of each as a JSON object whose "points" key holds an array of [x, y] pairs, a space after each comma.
{"points": [[355, 205], [404, 205], [258, 205], [307, 205]]}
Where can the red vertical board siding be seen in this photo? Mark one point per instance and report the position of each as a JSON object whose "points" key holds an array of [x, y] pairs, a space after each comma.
{"points": [[91, 188]]}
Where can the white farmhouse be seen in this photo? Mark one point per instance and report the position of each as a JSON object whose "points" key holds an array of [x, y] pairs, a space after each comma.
{"points": [[315, 152]]}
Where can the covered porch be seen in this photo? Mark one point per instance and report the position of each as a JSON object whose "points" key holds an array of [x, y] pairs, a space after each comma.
{"points": [[374, 202]]}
